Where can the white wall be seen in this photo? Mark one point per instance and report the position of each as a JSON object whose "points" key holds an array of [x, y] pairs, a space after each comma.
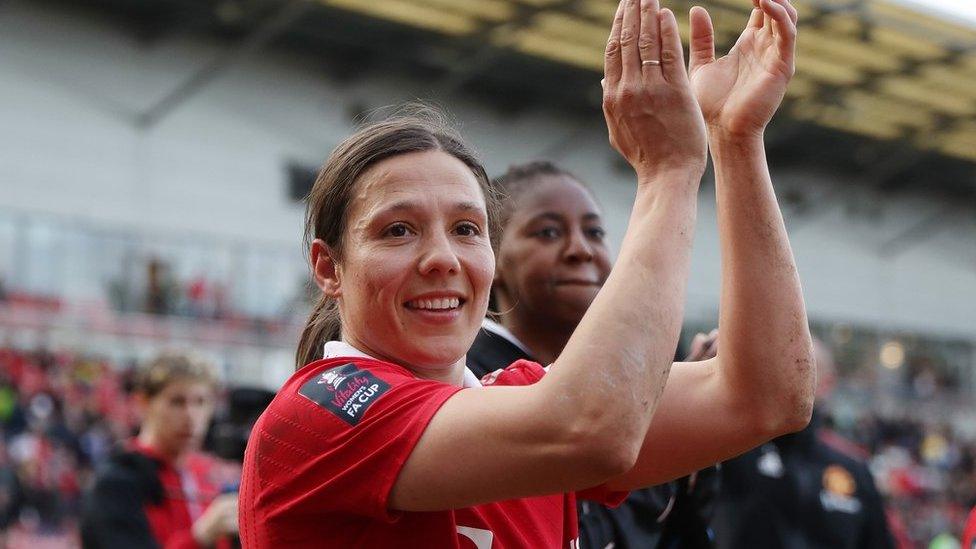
{"points": [[70, 86]]}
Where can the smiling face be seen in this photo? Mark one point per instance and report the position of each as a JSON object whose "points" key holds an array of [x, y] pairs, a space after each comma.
{"points": [[553, 258], [416, 266]]}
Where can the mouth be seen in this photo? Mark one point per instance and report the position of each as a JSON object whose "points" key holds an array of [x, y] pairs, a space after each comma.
{"points": [[435, 304]]}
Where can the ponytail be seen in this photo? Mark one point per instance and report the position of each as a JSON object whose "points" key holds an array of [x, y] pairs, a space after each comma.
{"points": [[323, 325]]}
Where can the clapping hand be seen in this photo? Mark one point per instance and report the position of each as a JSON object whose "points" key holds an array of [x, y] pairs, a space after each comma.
{"points": [[739, 92], [652, 116]]}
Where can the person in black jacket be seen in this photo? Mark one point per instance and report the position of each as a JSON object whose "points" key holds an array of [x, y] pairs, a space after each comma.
{"points": [[552, 260], [806, 490]]}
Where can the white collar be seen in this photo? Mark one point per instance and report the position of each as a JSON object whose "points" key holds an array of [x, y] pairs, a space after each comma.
{"points": [[499, 330], [335, 349]]}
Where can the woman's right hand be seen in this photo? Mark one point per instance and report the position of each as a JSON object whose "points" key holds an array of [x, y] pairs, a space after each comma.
{"points": [[653, 118]]}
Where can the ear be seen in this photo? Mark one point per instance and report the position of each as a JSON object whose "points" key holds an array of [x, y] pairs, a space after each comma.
{"points": [[325, 269]]}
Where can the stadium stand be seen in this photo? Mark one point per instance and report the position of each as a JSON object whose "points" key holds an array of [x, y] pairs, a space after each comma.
{"points": [[161, 130]]}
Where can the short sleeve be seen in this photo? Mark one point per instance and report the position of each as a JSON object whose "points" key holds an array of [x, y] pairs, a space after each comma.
{"points": [[520, 372], [603, 495], [335, 439]]}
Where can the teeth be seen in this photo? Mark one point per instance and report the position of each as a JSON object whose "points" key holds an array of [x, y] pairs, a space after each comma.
{"points": [[435, 304]]}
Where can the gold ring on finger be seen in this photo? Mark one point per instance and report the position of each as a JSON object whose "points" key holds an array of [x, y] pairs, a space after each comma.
{"points": [[654, 62]]}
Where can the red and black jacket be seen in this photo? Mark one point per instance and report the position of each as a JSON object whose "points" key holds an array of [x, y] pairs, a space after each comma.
{"points": [[139, 500]]}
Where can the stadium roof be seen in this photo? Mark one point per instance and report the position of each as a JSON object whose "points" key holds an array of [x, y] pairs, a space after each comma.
{"points": [[870, 67], [876, 71]]}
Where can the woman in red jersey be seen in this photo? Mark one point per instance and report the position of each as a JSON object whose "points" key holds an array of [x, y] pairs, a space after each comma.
{"points": [[389, 441]]}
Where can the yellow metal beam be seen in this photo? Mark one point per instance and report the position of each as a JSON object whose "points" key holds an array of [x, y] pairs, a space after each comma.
{"points": [[846, 50], [559, 50], [893, 40], [410, 13], [571, 29], [832, 72], [488, 10], [922, 94]]}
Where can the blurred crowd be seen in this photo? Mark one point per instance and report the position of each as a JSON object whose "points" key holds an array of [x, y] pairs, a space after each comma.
{"points": [[927, 473], [62, 413]]}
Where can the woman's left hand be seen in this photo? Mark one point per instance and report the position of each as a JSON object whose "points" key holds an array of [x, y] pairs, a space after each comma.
{"points": [[739, 92]]}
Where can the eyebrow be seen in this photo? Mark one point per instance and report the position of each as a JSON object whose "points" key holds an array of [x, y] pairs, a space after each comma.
{"points": [[557, 217], [410, 205]]}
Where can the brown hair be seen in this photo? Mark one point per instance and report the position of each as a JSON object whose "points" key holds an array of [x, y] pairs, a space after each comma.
{"points": [[169, 367], [411, 129]]}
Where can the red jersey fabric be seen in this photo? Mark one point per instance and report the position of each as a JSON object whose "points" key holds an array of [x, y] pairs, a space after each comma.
{"points": [[969, 534], [323, 457]]}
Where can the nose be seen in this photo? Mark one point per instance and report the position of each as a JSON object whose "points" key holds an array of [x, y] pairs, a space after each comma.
{"points": [[438, 256], [578, 249]]}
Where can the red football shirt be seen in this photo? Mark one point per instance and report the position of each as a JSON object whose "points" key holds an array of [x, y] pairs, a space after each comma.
{"points": [[969, 534], [323, 457]]}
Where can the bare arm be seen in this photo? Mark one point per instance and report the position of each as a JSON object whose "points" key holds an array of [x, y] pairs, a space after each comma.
{"points": [[585, 422], [761, 383]]}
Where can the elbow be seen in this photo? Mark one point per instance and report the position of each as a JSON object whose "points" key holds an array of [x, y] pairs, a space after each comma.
{"points": [[784, 417], [613, 458], [607, 460], [801, 399], [790, 407], [797, 417], [600, 450]]}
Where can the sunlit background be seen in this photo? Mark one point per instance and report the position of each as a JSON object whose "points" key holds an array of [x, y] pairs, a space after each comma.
{"points": [[154, 155]]}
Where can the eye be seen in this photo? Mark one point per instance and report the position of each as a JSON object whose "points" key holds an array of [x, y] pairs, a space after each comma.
{"points": [[467, 229], [548, 233], [397, 230], [596, 233]]}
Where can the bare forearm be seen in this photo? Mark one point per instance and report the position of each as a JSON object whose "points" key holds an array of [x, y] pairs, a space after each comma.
{"points": [[766, 346], [619, 357]]}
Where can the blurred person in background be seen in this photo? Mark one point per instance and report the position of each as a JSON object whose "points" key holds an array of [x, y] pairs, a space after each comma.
{"points": [[809, 490], [161, 491], [161, 289], [552, 259]]}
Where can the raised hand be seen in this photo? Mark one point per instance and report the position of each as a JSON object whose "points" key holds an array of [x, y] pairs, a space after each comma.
{"points": [[740, 92], [652, 116]]}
